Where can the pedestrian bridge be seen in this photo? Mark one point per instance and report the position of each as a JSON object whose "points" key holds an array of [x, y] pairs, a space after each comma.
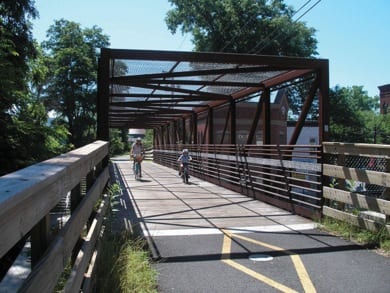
{"points": [[162, 205], [219, 106]]}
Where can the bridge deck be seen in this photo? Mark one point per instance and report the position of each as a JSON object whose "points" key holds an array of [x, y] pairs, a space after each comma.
{"points": [[210, 239], [166, 206]]}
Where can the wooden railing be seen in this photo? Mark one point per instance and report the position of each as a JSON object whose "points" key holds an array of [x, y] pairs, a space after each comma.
{"points": [[27, 198], [357, 184], [283, 175]]}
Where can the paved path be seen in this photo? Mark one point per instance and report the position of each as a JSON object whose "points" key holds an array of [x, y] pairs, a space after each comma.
{"points": [[205, 238]]}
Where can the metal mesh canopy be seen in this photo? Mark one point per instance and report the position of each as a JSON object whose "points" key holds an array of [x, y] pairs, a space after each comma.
{"points": [[146, 89]]}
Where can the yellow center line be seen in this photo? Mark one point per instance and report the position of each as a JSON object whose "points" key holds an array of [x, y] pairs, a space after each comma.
{"points": [[298, 264], [302, 274], [227, 241], [258, 276]]}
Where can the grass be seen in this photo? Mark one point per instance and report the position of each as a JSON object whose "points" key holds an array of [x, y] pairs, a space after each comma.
{"points": [[376, 240], [123, 264]]}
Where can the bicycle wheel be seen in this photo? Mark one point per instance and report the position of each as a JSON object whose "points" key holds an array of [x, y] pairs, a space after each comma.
{"points": [[137, 171]]}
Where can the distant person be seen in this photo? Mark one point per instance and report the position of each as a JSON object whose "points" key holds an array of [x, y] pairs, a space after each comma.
{"points": [[184, 158], [137, 152]]}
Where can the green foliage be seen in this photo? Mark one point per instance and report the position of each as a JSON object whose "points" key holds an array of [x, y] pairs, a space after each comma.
{"points": [[25, 136], [148, 139], [123, 262], [118, 142], [123, 265], [379, 240], [353, 116], [72, 55], [249, 26]]}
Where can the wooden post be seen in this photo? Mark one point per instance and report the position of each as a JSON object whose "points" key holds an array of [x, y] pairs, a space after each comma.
{"points": [[40, 235]]}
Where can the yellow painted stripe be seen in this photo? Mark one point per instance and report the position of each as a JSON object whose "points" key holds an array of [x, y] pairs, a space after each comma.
{"points": [[227, 242], [258, 276], [298, 264], [302, 274]]}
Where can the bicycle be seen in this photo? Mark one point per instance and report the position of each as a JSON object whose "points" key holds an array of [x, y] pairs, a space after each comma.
{"points": [[184, 174], [137, 166]]}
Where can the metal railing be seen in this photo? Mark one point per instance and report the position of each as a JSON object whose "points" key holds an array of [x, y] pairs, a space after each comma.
{"points": [[288, 176], [27, 198]]}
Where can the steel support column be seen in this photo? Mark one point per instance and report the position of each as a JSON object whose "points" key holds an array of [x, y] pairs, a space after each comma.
{"points": [[323, 120], [233, 123], [267, 117], [305, 109], [195, 128], [102, 96], [255, 122], [211, 126]]}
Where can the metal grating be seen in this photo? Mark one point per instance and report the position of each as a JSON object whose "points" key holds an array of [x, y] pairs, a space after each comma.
{"points": [[144, 85]]}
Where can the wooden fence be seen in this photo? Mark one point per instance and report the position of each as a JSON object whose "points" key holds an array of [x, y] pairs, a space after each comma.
{"points": [[28, 196], [357, 184], [288, 176]]}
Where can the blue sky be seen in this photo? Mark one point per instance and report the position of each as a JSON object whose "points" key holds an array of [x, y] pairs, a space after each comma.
{"points": [[353, 34]]}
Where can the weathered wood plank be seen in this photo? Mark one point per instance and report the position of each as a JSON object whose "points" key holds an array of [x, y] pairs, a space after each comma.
{"points": [[367, 176], [353, 219], [75, 280], [357, 200], [357, 149], [29, 194], [46, 272]]}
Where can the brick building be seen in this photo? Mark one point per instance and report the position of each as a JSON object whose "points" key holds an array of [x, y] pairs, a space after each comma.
{"points": [[384, 96]]}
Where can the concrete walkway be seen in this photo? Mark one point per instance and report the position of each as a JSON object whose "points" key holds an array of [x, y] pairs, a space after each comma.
{"points": [[205, 238]]}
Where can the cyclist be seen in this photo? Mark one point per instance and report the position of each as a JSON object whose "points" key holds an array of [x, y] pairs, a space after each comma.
{"points": [[184, 158], [137, 152]]}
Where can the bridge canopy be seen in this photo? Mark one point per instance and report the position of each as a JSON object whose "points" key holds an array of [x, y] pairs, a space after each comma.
{"points": [[148, 89]]}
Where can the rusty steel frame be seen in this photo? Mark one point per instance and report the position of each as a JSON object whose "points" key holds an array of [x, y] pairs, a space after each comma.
{"points": [[163, 88]]}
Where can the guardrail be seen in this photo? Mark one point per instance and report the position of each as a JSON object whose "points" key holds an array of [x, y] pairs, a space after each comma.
{"points": [[288, 176], [357, 184], [28, 196]]}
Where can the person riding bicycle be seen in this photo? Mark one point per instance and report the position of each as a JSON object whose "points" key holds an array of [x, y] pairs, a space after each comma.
{"points": [[184, 158], [137, 153]]}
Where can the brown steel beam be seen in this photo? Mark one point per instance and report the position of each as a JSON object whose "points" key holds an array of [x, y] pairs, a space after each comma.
{"points": [[211, 126], [267, 117], [192, 73], [181, 90], [256, 119], [210, 57], [174, 96], [305, 109], [150, 82], [287, 76], [323, 95], [102, 97]]}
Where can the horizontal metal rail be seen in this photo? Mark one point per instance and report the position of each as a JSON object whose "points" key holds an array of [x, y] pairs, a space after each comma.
{"points": [[288, 176]]}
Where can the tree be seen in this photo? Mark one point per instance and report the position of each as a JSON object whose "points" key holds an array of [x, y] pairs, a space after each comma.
{"points": [[71, 89], [246, 26], [352, 112], [16, 49]]}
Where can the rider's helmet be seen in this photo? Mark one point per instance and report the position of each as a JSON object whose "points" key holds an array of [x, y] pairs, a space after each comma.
{"points": [[185, 151], [138, 139]]}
